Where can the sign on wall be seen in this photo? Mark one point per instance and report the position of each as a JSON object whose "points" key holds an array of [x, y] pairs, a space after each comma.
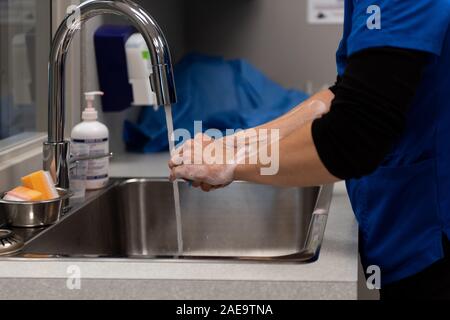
{"points": [[326, 11]]}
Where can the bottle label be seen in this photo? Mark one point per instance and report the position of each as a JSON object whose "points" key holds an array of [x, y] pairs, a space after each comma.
{"points": [[97, 169]]}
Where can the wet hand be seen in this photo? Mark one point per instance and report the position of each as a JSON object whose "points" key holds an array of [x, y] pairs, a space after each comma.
{"points": [[209, 164]]}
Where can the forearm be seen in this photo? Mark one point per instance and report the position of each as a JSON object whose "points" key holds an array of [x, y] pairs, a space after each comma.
{"points": [[367, 114], [298, 116], [299, 163], [295, 167]]}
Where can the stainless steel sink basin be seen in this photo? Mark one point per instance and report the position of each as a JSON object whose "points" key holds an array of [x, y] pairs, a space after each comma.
{"points": [[135, 219]]}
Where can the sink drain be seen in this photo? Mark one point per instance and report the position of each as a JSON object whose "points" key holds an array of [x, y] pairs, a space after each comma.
{"points": [[10, 242]]}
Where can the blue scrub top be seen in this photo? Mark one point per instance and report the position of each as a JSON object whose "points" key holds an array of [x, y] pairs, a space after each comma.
{"points": [[403, 208]]}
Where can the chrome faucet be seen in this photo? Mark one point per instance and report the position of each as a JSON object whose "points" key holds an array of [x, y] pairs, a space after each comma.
{"points": [[57, 149]]}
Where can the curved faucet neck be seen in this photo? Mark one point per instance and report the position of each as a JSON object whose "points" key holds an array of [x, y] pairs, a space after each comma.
{"points": [[56, 149], [162, 80]]}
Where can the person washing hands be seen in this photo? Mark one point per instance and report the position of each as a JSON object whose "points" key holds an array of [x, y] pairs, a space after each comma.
{"points": [[384, 127]]}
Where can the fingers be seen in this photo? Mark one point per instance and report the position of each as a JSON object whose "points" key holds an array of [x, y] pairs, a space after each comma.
{"points": [[183, 164], [181, 154], [206, 187], [174, 163], [182, 172], [190, 173], [196, 184], [176, 158], [186, 153], [178, 172]]}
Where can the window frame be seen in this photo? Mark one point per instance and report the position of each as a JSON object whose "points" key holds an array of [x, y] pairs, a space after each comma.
{"points": [[28, 145]]}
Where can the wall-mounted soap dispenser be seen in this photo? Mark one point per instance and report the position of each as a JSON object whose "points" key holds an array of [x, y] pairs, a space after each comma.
{"points": [[124, 67], [139, 71]]}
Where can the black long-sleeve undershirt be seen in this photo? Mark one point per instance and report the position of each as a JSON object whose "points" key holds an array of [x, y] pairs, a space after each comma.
{"points": [[369, 111]]}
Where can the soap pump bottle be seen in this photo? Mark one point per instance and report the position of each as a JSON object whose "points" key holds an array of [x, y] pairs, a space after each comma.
{"points": [[93, 136]]}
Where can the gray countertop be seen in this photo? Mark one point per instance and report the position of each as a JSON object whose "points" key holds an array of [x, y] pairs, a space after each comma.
{"points": [[333, 276]]}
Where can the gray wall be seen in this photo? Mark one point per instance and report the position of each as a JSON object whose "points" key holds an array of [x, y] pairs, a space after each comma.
{"points": [[273, 35], [171, 18]]}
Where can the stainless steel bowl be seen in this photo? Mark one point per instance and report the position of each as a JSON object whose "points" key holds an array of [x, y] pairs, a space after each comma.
{"points": [[34, 214]]}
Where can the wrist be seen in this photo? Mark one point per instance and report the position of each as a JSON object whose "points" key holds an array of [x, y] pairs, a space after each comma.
{"points": [[237, 173], [244, 172]]}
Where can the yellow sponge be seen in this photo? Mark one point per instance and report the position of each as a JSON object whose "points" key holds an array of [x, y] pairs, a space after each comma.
{"points": [[41, 181], [23, 194]]}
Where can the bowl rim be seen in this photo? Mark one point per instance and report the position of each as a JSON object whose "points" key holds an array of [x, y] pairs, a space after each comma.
{"points": [[64, 194]]}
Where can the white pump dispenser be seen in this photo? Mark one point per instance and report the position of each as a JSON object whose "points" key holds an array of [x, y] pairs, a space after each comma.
{"points": [[93, 136], [89, 113]]}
